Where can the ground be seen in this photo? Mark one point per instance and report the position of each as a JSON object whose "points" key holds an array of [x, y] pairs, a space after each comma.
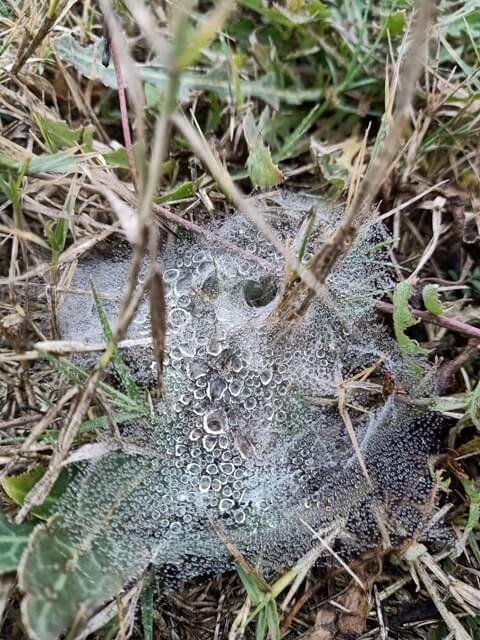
{"points": [[372, 105]]}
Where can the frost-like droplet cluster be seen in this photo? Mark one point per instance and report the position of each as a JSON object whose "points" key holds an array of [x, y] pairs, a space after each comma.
{"points": [[248, 434]]}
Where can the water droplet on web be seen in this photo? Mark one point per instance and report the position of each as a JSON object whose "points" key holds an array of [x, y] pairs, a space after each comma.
{"points": [[178, 318], [214, 347], [235, 387], [196, 369], [176, 527], [239, 516], [205, 483], [216, 485], [225, 504], [227, 468], [216, 388], [209, 443], [266, 376], [215, 421], [170, 276], [184, 283]]}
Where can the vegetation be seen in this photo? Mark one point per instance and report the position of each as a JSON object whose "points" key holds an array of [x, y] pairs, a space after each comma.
{"points": [[117, 119]]}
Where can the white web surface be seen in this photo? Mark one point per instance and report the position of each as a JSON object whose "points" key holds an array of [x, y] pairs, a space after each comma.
{"points": [[248, 432]]}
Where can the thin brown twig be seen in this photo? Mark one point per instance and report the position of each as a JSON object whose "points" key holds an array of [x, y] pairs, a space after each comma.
{"points": [[441, 321], [122, 99], [22, 421]]}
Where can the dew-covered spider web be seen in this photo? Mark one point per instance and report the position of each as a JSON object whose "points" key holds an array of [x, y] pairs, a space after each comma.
{"points": [[248, 434]]}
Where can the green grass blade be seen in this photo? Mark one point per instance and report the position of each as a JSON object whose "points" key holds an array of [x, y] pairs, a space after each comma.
{"points": [[123, 372]]}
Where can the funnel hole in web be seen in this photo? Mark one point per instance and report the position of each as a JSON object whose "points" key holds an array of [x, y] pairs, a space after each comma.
{"points": [[260, 292]]}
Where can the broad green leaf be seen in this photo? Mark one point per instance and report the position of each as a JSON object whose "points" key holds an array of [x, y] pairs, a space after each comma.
{"points": [[403, 319], [81, 558], [17, 487], [63, 582], [250, 129], [431, 300], [60, 162], [117, 159], [395, 23], [13, 542], [58, 136], [261, 168], [87, 61]]}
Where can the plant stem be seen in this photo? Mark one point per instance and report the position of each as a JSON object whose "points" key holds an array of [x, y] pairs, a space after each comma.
{"points": [[441, 321]]}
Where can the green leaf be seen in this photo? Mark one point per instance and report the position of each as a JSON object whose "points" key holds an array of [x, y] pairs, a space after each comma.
{"points": [[313, 11], [58, 136], [123, 372], [146, 606], [253, 585], [60, 162], [261, 630], [202, 36], [5, 10], [272, 620], [13, 542], [395, 23], [333, 172], [63, 581], [250, 130], [57, 237], [180, 192], [403, 319], [77, 375], [17, 487], [83, 557], [118, 159], [288, 147], [8, 163], [265, 88], [261, 168], [431, 300]]}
